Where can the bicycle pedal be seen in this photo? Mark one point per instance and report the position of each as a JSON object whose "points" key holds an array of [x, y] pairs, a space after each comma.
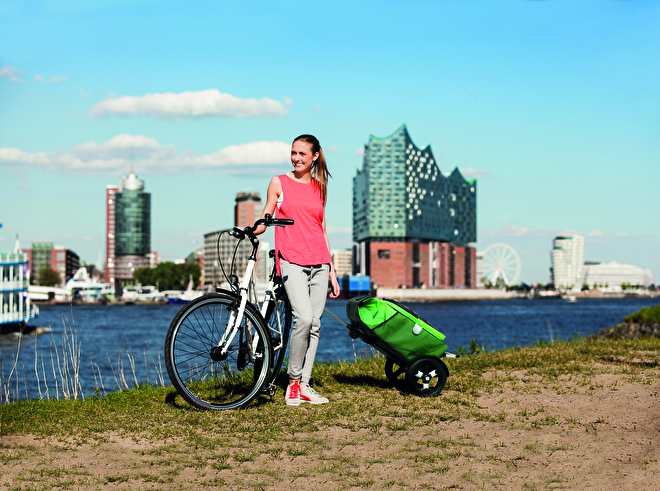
{"points": [[270, 390]]}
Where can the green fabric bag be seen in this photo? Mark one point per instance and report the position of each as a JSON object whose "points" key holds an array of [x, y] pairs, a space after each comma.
{"points": [[398, 326]]}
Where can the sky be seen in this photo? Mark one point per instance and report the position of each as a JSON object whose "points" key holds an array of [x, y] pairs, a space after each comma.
{"points": [[553, 106]]}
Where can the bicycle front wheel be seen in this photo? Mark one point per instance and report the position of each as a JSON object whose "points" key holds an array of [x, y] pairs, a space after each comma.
{"points": [[279, 318], [204, 374]]}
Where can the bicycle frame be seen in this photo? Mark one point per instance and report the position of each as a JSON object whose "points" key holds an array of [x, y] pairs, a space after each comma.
{"points": [[236, 316]]}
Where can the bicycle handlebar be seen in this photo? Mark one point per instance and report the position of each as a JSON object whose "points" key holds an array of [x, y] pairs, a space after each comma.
{"points": [[268, 221]]}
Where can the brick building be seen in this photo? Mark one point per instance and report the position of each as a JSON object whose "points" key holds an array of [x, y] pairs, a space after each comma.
{"points": [[44, 254]]}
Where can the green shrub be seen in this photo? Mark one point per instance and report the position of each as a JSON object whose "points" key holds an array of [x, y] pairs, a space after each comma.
{"points": [[648, 315]]}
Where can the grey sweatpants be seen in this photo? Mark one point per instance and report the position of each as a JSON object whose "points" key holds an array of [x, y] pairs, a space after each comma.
{"points": [[307, 289]]}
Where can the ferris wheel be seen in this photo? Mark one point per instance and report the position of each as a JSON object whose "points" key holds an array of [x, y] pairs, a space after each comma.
{"points": [[501, 261]]}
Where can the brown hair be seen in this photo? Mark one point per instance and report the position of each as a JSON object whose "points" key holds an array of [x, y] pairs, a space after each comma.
{"points": [[320, 171]]}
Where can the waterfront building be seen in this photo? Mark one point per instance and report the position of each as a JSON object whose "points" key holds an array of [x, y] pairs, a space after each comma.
{"points": [[220, 250], [128, 230], [481, 276], [412, 224], [196, 256], [567, 262], [45, 254], [154, 259], [342, 260], [611, 276]]}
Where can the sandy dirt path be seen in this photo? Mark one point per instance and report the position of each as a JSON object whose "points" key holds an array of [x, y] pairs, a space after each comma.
{"points": [[532, 435]]}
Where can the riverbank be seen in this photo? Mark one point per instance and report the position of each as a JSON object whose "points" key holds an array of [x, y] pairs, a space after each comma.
{"points": [[440, 295], [569, 415], [421, 295], [467, 294]]}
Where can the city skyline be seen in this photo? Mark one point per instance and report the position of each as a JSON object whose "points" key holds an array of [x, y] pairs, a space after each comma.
{"points": [[552, 106]]}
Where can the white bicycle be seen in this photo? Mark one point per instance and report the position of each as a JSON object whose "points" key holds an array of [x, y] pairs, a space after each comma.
{"points": [[222, 350]]}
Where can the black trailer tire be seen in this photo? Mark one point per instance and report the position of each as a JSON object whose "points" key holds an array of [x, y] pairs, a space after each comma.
{"points": [[426, 376], [394, 372]]}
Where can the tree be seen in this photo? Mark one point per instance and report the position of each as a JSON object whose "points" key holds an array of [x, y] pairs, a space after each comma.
{"points": [[169, 276], [49, 277]]}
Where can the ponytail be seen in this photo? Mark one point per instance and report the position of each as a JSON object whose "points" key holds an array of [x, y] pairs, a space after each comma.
{"points": [[320, 172]]}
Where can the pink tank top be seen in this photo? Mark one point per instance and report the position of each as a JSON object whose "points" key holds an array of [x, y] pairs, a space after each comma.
{"points": [[302, 243]]}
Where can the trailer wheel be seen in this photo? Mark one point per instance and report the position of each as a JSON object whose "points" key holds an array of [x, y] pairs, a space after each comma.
{"points": [[394, 372], [426, 376]]}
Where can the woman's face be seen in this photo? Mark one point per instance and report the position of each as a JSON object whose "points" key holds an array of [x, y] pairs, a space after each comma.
{"points": [[302, 157]]}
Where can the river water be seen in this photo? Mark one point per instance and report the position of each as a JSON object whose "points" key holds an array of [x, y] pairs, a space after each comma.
{"points": [[121, 346]]}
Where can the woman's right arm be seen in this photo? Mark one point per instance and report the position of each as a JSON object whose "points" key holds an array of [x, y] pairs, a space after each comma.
{"points": [[273, 194]]}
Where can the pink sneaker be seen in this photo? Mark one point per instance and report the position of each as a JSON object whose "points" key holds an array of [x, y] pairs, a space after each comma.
{"points": [[292, 394]]}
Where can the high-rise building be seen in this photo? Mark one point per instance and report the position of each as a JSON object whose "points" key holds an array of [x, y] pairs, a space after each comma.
{"points": [[567, 262], [247, 209], [412, 224], [128, 241], [44, 254], [110, 233]]}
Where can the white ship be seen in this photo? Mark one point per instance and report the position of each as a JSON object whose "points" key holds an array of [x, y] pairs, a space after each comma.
{"points": [[15, 307], [79, 288], [141, 293]]}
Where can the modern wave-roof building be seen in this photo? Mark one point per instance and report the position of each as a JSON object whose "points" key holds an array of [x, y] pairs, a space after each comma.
{"points": [[412, 223]]}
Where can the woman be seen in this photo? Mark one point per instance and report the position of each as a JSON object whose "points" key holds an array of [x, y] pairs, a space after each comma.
{"points": [[302, 252]]}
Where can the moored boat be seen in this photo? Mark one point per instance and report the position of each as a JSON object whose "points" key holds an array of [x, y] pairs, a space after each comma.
{"points": [[139, 293], [181, 297], [16, 309]]}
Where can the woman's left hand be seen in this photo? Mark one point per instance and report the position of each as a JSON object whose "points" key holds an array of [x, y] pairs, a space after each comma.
{"points": [[335, 284]]}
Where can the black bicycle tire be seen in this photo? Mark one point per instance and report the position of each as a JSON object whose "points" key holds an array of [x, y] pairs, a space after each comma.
{"points": [[192, 334], [280, 354]]}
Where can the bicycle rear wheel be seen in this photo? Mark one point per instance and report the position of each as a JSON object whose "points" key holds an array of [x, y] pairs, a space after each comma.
{"points": [[279, 318], [200, 372]]}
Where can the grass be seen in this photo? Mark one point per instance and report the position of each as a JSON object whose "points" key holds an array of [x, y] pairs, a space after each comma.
{"points": [[250, 444], [648, 315]]}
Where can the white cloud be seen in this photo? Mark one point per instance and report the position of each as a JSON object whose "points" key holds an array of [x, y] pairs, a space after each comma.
{"points": [[509, 230], [621, 234], [340, 230], [288, 101], [471, 173], [11, 73], [359, 152], [114, 157], [595, 233], [203, 103], [51, 80]]}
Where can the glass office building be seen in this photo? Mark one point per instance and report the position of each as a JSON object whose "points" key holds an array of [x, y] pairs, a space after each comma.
{"points": [[412, 223], [400, 194], [131, 234]]}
